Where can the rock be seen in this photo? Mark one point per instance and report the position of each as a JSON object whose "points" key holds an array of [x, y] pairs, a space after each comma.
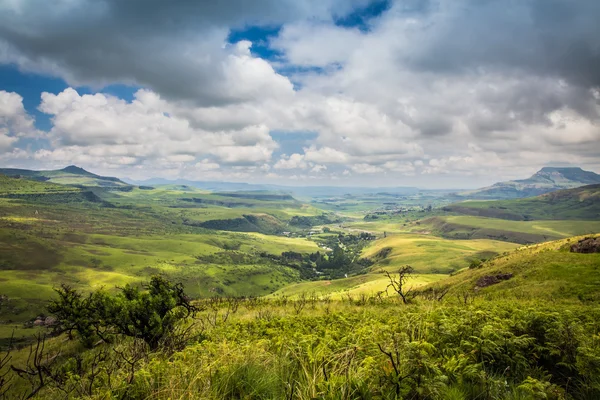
{"points": [[490, 280], [38, 322], [50, 321], [586, 246]]}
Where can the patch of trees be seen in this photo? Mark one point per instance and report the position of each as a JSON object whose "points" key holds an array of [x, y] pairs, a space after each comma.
{"points": [[310, 221], [247, 223]]}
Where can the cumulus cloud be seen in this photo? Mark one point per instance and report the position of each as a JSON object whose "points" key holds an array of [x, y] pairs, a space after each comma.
{"points": [[105, 129], [15, 122], [294, 161], [434, 88], [177, 49]]}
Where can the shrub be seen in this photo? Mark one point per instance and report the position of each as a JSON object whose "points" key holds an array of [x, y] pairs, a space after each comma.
{"points": [[150, 314]]}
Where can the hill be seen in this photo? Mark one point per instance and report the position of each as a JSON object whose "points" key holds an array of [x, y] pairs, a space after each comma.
{"points": [[71, 175], [582, 203], [546, 180], [549, 270], [523, 326], [31, 191]]}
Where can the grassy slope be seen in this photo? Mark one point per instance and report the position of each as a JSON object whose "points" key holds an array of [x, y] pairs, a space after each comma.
{"points": [[69, 176], [430, 254], [547, 271], [523, 232], [10, 186], [44, 243], [572, 204], [368, 284]]}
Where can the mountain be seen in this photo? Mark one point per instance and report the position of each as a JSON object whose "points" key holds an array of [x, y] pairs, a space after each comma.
{"points": [[71, 175], [296, 191], [546, 180], [582, 203]]}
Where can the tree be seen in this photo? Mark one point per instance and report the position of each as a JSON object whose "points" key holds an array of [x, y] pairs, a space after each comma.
{"points": [[398, 283], [150, 314]]}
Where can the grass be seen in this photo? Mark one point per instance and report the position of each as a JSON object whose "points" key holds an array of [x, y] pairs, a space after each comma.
{"points": [[348, 349], [581, 203], [368, 284], [88, 245], [430, 254], [548, 270]]}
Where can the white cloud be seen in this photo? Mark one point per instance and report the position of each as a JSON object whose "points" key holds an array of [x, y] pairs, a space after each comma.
{"points": [[325, 155], [310, 44], [366, 169], [206, 165], [434, 91], [295, 161]]}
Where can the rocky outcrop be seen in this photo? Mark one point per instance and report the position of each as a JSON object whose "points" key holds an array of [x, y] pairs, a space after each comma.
{"points": [[490, 280], [586, 246]]}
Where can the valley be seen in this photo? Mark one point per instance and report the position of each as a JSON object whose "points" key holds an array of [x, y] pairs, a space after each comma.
{"points": [[286, 260]]}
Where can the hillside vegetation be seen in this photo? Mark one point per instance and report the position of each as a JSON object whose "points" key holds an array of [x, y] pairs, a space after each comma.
{"points": [[531, 335], [71, 175], [573, 204], [543, 271], [523, 232], [164, 292], [52, 234]]}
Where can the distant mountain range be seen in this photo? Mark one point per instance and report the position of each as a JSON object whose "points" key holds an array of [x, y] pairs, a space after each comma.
{"points": [[296, 191], [547, 179], [71, 175]]}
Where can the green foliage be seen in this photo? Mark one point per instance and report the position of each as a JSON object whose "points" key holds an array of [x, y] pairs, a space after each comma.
{"points": [[338, 350], [150, 314], [310, 221], [582, 203]]}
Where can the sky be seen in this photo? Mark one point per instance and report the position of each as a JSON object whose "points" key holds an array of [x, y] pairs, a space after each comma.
{"points": [[428, 93]]}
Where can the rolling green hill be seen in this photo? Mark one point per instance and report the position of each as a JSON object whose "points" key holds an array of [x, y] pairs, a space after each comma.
{"points": [[71, 175], [547, 271], [89, 238], [546, 180], [581, 203], [465, 227]]}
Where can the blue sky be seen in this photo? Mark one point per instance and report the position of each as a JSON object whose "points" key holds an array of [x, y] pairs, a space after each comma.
{"points": [[359, 92]]}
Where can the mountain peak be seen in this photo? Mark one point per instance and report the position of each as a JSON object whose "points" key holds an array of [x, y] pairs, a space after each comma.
{"points": [[559, 169], [74, 169], [546, 180]]}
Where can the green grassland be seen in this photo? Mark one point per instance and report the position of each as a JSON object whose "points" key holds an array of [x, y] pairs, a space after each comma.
{"points": [[357, 205], [524, 232], [533, 336], [571, 204], [430, 254], [368, 284], [125, 236], [70, 175], [546, 271], [16, 186]]}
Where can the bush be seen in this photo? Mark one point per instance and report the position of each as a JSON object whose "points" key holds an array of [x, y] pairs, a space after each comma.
{"points": [[150, 314]]}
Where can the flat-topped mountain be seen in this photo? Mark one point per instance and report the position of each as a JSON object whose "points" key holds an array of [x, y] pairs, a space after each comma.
{"points": [[547, 179], [71, 175]]}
